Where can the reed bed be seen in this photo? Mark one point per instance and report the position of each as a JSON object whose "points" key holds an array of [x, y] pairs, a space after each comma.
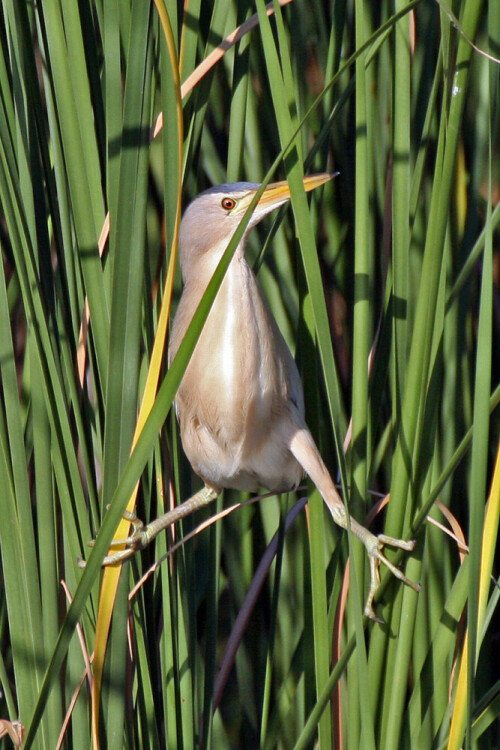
{"points": [[249, 633]]}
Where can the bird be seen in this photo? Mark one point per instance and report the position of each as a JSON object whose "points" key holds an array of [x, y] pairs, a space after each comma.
{"points": [[240, 403]]}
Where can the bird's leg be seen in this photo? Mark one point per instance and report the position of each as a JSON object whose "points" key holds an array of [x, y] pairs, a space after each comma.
{"points": [[374, 545], [143, 534], [304, 449]]}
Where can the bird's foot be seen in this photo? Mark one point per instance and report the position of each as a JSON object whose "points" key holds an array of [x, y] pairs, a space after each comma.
{"points": [[142, 535], [374, 546], [121, 549]]}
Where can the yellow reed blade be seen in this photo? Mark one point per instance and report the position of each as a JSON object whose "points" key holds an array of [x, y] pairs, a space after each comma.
{"points": [[490, 532]]}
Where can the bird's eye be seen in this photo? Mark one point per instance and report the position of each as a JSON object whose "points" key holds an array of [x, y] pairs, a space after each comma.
{"points": [[228, 203]]}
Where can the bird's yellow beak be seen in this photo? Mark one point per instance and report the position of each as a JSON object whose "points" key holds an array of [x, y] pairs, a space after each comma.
{"points": [[278, 192]]}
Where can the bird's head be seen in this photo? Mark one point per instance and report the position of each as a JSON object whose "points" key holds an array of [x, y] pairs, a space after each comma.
{"points": [[211, 219]]}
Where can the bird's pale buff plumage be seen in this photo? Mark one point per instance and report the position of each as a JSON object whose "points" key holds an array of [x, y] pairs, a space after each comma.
{"points": [[240, 398], [240, 403]]}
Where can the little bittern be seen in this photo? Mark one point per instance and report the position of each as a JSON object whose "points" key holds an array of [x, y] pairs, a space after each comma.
{"points": [[240, 403]]}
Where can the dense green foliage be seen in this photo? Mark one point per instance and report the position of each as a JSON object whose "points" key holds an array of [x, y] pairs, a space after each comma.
{"points": [[244, 638]]}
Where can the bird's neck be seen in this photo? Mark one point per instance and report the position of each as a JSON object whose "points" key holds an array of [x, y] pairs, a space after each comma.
{"points": [[200, 274]]}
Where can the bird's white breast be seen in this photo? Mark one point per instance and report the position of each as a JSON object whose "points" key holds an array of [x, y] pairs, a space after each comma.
{"points": [[237, 388]]}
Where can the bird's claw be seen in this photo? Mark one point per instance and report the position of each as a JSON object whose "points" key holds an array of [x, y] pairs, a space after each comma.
{"points": [[125, 548], [142, 535], [374, 548]]}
